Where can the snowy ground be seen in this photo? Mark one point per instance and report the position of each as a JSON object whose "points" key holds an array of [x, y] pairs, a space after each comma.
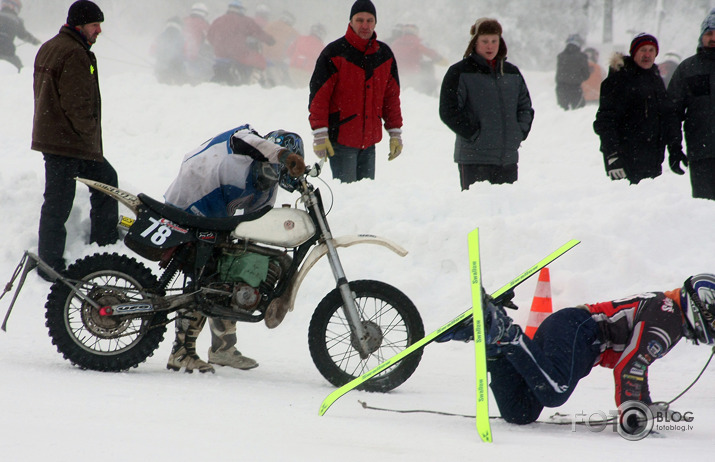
{"points": [[649, 237]]}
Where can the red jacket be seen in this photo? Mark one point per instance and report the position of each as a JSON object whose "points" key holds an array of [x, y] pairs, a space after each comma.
{"points": [[195, 30], [409, 51], [304, 52], [636, 331], [353, 88], [229, 35]]}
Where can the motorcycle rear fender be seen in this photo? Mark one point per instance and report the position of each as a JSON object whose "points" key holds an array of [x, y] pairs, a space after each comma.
{"points": [[123, 197], [343, 241]]}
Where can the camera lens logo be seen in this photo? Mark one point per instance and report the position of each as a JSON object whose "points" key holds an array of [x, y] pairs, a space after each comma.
{"points": [[636, 420]]}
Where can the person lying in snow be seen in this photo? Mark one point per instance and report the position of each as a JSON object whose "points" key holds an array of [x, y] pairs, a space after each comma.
{"points": [[626, 335]]}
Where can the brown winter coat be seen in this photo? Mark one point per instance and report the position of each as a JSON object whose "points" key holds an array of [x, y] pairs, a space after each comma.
{"points": [[68, 119]]}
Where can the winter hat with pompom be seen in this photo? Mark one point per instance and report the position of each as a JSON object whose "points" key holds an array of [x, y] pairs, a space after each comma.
{"points": [[643, 39]]}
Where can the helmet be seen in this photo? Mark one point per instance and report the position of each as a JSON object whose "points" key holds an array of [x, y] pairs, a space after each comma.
{"points": [[15, 5], [294, 143], [289, 140], [200, 9], [698, 302], [318, 30]]}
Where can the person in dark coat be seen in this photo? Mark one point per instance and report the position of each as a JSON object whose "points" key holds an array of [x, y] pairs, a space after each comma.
{"points": [[67, 129], [12, 26], [692, 90], [485, 102], [571, 71], [634, 115]]}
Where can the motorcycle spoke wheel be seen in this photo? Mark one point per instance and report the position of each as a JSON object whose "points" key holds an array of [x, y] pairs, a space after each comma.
{"points": [[392, 323], [104, 343]]}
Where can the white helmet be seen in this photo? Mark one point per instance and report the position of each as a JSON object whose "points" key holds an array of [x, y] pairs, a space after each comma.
{"points": [[698, 302], [200, 9]]}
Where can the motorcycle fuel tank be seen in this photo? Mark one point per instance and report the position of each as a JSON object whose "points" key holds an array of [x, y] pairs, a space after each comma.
{"points": [[284, 227]]}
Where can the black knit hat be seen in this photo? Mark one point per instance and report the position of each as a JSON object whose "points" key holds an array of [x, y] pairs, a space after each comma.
{"points": [[84, 12], [363, 6], [643, 39]]}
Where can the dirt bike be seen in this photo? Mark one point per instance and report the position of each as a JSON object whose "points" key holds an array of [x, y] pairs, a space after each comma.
{"points": [[109, 312]]}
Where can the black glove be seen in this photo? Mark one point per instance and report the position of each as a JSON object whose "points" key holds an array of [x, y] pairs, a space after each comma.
{"points": [[675, 157], [615, 167]]}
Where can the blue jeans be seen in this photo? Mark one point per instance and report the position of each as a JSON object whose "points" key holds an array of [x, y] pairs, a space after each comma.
{"points": [[543, 371], [352, 164]]}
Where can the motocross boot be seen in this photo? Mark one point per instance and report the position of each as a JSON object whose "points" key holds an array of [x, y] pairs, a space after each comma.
{"points": [[183, 353], [223, 346]]}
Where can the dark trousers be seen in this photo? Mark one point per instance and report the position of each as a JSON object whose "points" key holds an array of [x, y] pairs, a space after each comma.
{"points": [[702, 178], [352, 164], [495, 174], [543, 372], [570, 96], [60, 172]]}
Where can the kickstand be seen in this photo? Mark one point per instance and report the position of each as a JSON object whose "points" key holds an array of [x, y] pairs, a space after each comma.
{"points": [[29, 261]]}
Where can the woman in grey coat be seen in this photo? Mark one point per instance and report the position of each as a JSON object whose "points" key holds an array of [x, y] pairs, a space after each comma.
{"points": [[484, 100]]}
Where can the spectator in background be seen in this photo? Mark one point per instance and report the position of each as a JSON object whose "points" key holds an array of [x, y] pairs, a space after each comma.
{"points": [[416, 60], [303, 53], [277, 54], [692, 90], [263, 15], [197, 50], [354, 86], [634, 118], [667, 66], [571, 71], [12, 26], [236, 40], [485, 102], [67, 129], [591, 87], [168, 50]]}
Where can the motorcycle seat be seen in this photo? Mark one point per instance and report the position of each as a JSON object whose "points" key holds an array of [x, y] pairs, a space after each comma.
{"points": [[189, 220]]}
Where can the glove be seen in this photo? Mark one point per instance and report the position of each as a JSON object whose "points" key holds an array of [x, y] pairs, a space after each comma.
{"points": [[675, 157], [321, 143], [395, 143], [295, 165], [614, 167]]}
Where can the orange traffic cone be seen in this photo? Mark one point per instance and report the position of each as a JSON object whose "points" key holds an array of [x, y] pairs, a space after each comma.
{"points": [[541, 306]]}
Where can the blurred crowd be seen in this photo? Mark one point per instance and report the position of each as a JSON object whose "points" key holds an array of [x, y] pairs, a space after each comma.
{"points": [[267, 47]]}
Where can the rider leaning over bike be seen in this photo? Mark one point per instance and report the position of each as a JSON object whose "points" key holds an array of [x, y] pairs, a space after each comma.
{"points": [[235, 170]]}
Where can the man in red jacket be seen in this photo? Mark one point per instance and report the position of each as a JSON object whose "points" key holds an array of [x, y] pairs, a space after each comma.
{"points": [[354, 88]]}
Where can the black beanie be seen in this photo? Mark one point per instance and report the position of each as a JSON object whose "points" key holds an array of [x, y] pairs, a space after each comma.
{"points": [[363, 6], [84, 12]]}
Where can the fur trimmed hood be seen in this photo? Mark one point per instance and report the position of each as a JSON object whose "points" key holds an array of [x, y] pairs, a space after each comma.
{"points": [[617, 61]]}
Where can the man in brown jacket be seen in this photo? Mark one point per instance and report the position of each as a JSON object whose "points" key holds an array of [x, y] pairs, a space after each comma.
{"points": [[67, 130]]}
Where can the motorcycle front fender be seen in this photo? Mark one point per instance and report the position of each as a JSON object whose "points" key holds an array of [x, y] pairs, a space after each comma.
{"points": [[320, 250]]}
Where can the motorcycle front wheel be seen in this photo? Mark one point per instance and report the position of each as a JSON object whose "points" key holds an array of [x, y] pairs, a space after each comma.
{"points": [[103, 343], [392, 323]]}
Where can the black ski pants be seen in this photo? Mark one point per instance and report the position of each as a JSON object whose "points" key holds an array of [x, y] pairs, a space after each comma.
{"points": [[60, 185]]}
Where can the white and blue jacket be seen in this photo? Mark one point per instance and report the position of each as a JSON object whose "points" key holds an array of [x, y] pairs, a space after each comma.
{"points": [[226, 174]]}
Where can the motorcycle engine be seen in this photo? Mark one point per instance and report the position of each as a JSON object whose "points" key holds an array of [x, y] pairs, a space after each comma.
{"points": [[245, 297]]}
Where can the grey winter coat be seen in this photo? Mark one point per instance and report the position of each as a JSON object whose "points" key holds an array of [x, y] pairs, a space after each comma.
{"points": [[692, 90], [488, 108]]}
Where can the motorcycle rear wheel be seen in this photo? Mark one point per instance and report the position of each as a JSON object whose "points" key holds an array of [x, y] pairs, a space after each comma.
{"points": [[103, 343], [390, 318]]}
